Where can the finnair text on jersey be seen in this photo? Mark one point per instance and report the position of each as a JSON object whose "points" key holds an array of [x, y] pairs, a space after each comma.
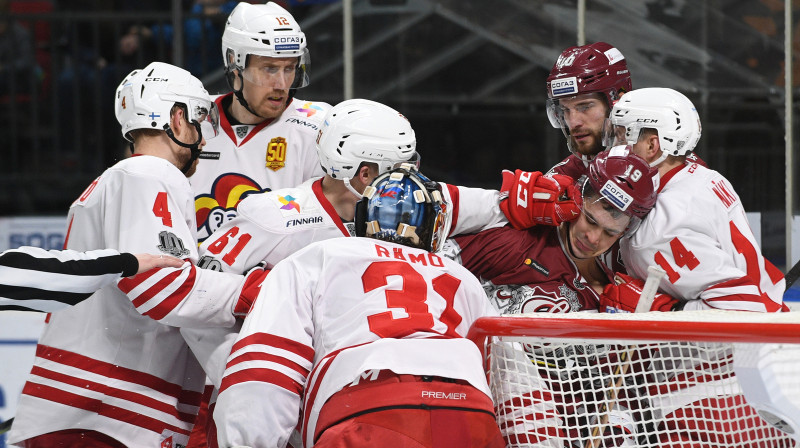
{"points": [[303, 221]]}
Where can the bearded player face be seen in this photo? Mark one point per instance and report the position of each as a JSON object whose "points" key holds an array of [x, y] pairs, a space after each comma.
{"points": [[584, 116]]}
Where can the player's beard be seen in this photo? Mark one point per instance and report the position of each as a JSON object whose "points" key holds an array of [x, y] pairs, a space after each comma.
{"points": [[266, 106], [193, 168], [183, 159], [587, 148]]}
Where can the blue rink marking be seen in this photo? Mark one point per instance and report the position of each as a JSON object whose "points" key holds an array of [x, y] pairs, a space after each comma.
{"points": [[792, 294], [18, 342]]}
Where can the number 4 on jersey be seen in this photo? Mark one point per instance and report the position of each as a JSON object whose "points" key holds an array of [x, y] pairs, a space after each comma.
{"points": [[161, 209]]}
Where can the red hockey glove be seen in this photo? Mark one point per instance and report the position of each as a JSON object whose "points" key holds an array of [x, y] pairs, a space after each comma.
{"points": [[252, 286], [529, 198], [624, 296]]}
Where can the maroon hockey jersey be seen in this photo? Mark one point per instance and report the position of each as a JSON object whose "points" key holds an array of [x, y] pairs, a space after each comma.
{"points": [[525, 271]]}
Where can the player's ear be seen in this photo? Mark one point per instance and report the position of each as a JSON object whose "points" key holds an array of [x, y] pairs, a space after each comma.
{"points": [[653, 146], [176, 118], [367, 172]]}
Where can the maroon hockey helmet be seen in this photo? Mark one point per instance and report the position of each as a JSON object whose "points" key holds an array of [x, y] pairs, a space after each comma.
{"points": [[592, 68], [625, 180]]}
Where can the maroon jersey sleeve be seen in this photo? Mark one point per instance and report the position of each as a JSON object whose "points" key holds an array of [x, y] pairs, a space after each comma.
{"points": [[572, 166]]}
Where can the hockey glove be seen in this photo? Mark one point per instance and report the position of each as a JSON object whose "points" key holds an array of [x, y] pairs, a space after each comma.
{"points": [[529, 198], [624, 296], [252, 286]]}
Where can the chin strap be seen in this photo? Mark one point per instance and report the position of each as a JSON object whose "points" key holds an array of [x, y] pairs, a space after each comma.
{"points": [[193, 147], [660, 158], [350, 187]]}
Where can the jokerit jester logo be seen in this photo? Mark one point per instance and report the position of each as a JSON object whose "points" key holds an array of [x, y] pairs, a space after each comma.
{"points": [[219, 206], [309, 109]]}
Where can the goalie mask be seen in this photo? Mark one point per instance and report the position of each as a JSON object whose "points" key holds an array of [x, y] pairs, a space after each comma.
{"points": [[145, 98], [597, 68], [667, 111], [403, 206]]}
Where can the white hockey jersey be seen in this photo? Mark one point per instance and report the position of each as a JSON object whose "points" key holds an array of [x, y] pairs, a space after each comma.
{"points": [[699, 234], [115, 364], [315, 328], [274, 225], [246, 159]]}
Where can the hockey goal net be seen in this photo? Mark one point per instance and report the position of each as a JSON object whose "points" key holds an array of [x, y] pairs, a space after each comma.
{"points": [[687, 379]]}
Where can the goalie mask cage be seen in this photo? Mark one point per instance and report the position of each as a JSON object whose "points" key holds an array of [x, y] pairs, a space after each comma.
{"points": [[711, 379]]}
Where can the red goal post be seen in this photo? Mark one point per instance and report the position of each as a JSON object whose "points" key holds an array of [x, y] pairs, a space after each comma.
{"points": [[683, 379]]}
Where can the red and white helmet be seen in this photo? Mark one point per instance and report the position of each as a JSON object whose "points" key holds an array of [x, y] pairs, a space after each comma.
{"points": [[624, 180]]}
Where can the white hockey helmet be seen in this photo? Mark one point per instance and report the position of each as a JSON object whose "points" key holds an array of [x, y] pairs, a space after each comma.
{"points": [[667, 111], [264, 30], [145, 98], [359, 130]]}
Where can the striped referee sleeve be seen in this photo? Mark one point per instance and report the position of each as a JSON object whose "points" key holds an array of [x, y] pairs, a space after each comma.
{"points": [[33, 279]]}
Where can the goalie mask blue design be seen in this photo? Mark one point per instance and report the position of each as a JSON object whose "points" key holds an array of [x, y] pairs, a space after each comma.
{"points": [[403, 206]]}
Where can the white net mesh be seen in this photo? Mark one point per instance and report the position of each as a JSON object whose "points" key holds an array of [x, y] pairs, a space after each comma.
{"points": [[615, 392]]}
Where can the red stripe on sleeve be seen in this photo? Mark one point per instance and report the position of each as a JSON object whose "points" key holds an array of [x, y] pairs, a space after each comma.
{"points": [[261, 376], [127, 284], [257, 356], [271, 340], [166, 306]]}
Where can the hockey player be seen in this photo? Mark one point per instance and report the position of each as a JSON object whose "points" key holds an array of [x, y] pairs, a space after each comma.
{"points": [[698, 232], [34, 279], [114, 371], [267, 139], [359, 140], [582, 87], [562, 269], [557, 269], [584, 84], [325, 337]]}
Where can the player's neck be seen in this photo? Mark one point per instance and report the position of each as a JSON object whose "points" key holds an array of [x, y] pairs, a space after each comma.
{"points": [[670, 164], [160, 146], [341, 198]]}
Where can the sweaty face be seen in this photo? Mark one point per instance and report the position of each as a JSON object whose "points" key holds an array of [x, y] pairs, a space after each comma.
{"points": [[585, 116], [267, 82], [598, 227]]}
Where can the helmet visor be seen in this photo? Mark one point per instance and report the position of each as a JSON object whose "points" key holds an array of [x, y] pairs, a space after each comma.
{"points": [[619, 135], [554, 113], [602, 209], [278, 72], [414, 161], [206, 115]]}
